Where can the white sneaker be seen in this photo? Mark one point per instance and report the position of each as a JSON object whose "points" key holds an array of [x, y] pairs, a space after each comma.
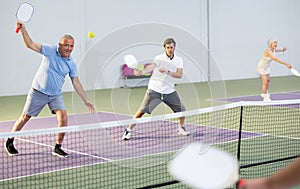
{"points": [[266, 97], [182, 131], [126, 135]]}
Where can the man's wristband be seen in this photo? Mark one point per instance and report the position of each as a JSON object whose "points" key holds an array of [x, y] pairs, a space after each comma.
{"points": [[168, 72]]}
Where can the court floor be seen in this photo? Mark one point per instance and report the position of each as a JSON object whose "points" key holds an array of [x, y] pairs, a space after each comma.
{"points": [[126, 100], [110, 109]]}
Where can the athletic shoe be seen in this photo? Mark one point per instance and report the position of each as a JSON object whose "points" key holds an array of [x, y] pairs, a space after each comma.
{"points": [[182, 131], [10, 149], [126, 135], [60, 153], [266, 97]]}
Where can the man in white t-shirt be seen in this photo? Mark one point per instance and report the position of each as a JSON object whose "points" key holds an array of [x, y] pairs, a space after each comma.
{"points": [[166, 67]]}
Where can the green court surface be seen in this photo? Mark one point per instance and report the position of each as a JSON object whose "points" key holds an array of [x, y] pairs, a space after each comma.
{"points": [[273, 137], [194, 96]]}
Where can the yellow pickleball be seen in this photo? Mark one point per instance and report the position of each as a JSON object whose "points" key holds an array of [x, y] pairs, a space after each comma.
{"points": [[91, 34]]}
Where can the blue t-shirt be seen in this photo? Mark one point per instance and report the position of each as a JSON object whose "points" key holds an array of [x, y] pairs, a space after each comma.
{"points": [[51, 74]]}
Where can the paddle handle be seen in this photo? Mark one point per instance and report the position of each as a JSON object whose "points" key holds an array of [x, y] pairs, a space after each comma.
{"points": [[18, 29], [241, 183]]}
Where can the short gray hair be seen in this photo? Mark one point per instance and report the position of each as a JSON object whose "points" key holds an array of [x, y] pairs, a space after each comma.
{"points": [[67, 36]]}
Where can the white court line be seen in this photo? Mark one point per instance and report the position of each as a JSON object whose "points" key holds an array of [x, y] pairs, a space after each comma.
{"points": [[79, 166], [73, 151], [46, 172]]}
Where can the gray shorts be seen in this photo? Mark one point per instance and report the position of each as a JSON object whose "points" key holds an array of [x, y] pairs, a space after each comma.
{"points": [[152, 99], [36, 101]]}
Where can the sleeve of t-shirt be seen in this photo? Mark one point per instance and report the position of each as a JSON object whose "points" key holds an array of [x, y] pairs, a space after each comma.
{"points": [[48, 50], [180, 63], [157, 59]]}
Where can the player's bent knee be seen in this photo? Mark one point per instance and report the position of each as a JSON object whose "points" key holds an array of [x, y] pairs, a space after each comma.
{"points": [[24, 118]]}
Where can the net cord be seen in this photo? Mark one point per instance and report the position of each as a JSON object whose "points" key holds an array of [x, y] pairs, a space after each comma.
{"points": [[74, 128]]}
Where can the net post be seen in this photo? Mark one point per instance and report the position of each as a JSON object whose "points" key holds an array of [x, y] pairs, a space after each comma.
{"points": [[240, 134], [239, 141]]}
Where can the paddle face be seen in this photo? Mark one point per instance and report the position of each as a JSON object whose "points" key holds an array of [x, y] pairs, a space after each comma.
{"points": [[202, 166], [131, 61], [24, 13], [295, 72]]}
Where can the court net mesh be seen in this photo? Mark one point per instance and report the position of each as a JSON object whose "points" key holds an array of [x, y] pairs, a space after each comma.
{"points": [[263, 136]]}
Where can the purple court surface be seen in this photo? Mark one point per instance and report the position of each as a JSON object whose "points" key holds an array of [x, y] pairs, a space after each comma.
{"points": [[100, 145], [275, 96]]}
